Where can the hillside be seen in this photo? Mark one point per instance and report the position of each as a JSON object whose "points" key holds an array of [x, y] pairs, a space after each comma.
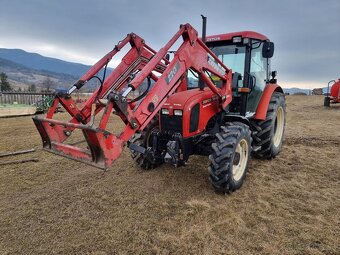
{"points": [[292, 91], [25, 68], [39, 62], [22, 76]]}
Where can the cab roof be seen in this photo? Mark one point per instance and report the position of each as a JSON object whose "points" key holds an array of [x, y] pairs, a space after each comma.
{"points": [[243, 34]]}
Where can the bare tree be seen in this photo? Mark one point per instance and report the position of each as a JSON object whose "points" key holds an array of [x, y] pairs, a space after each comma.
{"points": [[47, 84], [32, 88]]}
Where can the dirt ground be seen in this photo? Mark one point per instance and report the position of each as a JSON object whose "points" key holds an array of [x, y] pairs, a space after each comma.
{"points": [[289, 205]]}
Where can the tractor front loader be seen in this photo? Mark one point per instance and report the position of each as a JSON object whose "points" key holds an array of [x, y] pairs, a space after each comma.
{"points": [[193, 104]]}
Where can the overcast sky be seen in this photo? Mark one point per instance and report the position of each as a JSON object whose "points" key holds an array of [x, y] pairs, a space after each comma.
{"points": [[306, 33]]}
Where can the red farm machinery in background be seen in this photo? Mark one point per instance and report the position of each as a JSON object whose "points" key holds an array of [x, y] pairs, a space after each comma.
{"points": [[333, 93], [215, 97]]}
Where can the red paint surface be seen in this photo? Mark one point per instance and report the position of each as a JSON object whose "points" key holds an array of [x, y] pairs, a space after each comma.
{"points": [[335, 90], [243, 34], [261, 111]]}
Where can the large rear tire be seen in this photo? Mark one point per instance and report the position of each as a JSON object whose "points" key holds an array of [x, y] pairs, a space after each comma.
{"points": [[144, 138], [229, 161], [269, 133]]}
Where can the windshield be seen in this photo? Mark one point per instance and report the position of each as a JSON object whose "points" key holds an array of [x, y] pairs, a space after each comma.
{"points": [[233, 56]]}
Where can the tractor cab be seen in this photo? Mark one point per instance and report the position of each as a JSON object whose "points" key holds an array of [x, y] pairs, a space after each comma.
{"points": [[248, 54]]}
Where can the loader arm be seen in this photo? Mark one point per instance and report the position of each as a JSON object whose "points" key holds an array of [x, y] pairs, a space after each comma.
{"points": [[140, 63]]}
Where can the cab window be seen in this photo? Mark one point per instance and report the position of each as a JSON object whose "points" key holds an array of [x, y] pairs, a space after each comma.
{"points": [[258, 68], [233, 56]]}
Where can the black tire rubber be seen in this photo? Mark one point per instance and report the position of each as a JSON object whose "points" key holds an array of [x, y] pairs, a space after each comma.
{"points": [[265, 129], [141, 138], [222, 159], [327, 101]]}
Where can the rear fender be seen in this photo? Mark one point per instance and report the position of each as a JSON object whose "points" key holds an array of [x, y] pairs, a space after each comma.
{"points": [[261, 111]]}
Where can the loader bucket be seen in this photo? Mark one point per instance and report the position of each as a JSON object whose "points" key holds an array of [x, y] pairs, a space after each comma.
{"points": [[103, 148]]}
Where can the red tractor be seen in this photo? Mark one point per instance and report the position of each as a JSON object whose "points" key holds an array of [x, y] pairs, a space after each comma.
{"points": [[216, 97], [333, 94]]}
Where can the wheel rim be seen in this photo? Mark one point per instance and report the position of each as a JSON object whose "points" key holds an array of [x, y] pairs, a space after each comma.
{"points": [[240, 159], [278, 127]]}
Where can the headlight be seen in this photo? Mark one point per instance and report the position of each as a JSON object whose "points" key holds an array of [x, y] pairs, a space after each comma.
{"points": [[178, 112], [165, 111], [237, 39]]}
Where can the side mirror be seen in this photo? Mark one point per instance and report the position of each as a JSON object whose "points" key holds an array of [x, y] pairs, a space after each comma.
{"points": [[273, 80], [274, 74], [268, 49], [167, 56]]}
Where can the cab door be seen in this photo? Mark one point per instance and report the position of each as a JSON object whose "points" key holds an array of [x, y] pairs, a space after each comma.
{"points": [[258, 73]]}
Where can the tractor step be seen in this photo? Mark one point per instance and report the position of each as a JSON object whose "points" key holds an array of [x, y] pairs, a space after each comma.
{"points": [[256, 148]]}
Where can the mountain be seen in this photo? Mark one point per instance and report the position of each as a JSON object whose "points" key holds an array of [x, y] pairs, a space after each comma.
{"points": [[22, 76], [292, 91], [39, 62], [25, 68]]}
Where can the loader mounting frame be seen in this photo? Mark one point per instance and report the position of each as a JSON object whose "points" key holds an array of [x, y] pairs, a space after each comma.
{"points": [[140, 63]]}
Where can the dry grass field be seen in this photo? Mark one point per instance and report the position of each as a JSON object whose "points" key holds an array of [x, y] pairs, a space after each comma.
{"points": [[290, 205]]}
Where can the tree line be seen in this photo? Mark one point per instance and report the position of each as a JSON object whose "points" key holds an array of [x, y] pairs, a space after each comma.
{"points": [[47, 84], [4, 84]]}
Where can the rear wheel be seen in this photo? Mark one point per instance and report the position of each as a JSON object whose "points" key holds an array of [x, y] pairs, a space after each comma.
{"points": [[269, 133], [229, 161], [144, 138], [327, 101]]}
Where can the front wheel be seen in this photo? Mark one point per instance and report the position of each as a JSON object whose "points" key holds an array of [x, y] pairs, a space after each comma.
{"points": [[229, 161]]}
